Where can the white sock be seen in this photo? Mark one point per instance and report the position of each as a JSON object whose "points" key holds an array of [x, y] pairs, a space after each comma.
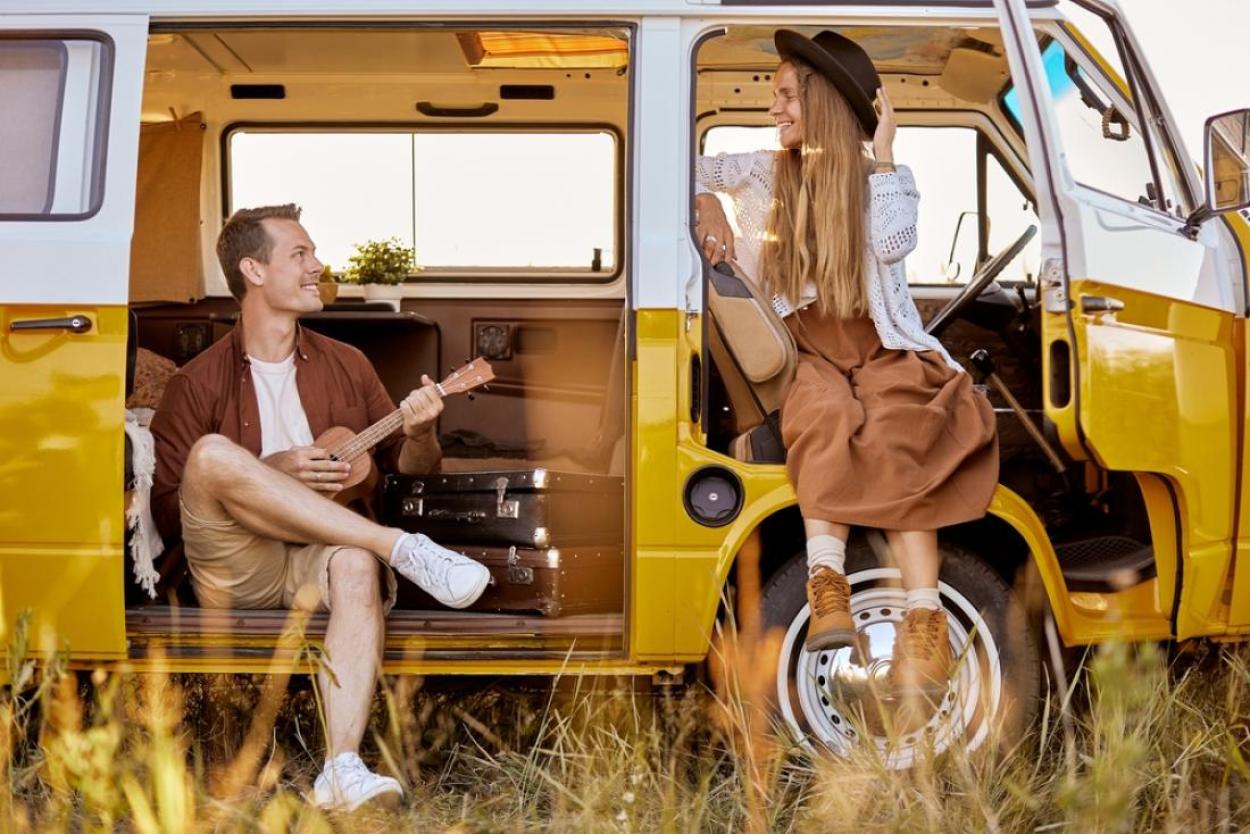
{"points": [[827, 552], [924, 598]]}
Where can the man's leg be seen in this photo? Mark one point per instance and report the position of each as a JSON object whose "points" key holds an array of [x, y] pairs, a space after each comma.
{"points": [[354, 645], [223, 481]]}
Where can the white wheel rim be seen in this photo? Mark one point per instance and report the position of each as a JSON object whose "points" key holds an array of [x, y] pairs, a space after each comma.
{"points": [[875, 607]]}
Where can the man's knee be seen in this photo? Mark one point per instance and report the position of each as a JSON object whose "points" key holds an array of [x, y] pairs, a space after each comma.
{"points": [[354, 576], [212, 458]]}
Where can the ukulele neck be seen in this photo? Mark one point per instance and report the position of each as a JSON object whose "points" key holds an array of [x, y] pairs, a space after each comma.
{"points": [[474, 374], [370, 437]]}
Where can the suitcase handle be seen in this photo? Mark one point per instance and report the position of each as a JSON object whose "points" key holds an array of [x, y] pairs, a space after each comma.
{"points": [[468, 516], [416, 506]]}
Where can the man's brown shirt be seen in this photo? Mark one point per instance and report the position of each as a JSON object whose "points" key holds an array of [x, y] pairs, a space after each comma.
{"points": [[214, 394]]}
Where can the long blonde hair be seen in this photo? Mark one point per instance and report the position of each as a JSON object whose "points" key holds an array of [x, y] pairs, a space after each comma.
{"points": [[816, 222]]}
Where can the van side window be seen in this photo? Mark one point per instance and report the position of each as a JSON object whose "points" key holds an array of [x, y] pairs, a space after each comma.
{"points": [[52, 92], [492, 203], [1102, 137]]}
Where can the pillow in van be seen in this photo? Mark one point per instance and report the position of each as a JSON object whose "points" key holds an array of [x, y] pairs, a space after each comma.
{"points": [[152, 374]]}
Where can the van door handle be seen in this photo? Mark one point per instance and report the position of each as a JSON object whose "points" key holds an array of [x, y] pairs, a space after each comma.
{"points": [[74, 324], [1096, 304]]}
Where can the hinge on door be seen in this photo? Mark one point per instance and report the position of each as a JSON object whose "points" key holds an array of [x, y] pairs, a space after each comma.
{"points": [[1054, 293]]}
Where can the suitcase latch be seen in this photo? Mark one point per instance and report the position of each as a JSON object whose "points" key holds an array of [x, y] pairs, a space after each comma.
{"points": [[518, 575], [505, 508], [413, 506]]}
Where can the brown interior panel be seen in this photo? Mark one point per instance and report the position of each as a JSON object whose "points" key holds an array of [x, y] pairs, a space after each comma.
{"points": [[551, 383]]}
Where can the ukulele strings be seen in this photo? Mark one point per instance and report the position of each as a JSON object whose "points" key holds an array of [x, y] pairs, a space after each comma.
{"points": [[373, 435]]}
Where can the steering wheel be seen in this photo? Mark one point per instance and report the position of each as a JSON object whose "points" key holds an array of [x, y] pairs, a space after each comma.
{"points": [[977, 284]]}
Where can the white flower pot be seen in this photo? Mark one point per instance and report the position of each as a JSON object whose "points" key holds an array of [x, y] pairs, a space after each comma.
{"points": [[383, 292]]}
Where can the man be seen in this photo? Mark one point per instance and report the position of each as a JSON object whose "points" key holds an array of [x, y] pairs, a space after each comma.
{"points": [[238, 478]]}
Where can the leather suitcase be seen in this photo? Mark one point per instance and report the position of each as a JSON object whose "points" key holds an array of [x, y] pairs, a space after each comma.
{"points": [[536, 508], [551, 582]]}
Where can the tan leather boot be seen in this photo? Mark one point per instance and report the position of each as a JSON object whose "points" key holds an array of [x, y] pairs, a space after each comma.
{"points": [[921, 662], [829, 598]]}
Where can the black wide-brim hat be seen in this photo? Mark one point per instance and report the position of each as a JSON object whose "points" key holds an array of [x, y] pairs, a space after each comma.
{"points": [[843, 62]]}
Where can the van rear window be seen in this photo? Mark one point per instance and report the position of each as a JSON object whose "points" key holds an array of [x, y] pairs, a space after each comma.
{"points": [[525, 204]]}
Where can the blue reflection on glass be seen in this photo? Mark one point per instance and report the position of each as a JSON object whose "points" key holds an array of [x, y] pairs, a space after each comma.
{"points": [[1061, 85]]}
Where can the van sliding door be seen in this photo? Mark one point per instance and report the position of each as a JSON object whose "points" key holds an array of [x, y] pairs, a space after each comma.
{"points": [[71, 87]]}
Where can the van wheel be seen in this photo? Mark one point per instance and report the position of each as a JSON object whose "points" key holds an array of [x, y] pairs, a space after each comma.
{"points": [[837, 698]]}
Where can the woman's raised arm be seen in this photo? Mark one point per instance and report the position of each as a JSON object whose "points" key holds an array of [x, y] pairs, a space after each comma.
{"points": [[895, 202]]}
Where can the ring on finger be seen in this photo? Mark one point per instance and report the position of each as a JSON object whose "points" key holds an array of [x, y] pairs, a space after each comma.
{"points": [[710, 236]]}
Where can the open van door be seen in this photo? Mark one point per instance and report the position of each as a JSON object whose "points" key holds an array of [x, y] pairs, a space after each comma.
{"points": [[71, 88], [1138, 307]]}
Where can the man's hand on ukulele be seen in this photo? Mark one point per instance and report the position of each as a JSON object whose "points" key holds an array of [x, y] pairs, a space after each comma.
{"points": [[312, 467], [421, 408]]}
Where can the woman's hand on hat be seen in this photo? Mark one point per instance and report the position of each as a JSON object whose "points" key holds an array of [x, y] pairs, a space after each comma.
{"points": [[883, 139], [712, 230]]}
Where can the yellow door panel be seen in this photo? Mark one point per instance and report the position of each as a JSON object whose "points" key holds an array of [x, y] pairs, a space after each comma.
{"points": [[1157, 381], [61, 447]]}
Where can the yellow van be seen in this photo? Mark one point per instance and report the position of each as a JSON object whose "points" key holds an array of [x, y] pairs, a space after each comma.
{"points": [[540, 160]]}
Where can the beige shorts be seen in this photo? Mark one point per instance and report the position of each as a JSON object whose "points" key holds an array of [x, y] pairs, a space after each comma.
{"points": [[232, 567]]}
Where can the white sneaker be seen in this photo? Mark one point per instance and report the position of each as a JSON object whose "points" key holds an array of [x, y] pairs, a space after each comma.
{"points": [[454, 580], [346, 784]]}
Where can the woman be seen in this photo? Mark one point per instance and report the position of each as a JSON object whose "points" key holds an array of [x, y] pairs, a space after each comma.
{"points": [[883, 428]]}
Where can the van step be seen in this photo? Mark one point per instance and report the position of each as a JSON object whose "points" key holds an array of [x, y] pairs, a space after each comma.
{"points": [[1105, 563], [218, 634]]}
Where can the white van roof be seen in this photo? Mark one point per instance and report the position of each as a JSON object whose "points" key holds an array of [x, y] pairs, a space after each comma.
{"points": [[503, 9]]}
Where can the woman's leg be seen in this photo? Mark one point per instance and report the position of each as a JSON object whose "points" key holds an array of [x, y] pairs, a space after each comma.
{"points": [[826, 544], [916, 552], [828, 592], [922, 656]]}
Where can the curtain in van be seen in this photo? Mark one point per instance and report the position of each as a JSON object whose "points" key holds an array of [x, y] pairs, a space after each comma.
{"points": [[165, 258]]}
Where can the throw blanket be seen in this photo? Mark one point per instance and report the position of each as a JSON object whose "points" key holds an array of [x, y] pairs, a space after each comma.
{"points": [[145, 544]]}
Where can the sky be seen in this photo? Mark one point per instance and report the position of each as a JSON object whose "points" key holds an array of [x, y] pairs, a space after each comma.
{"points": [[1198, 52]]}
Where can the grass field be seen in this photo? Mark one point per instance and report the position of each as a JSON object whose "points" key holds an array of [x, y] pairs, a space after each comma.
{"points": [[1139, 742]]}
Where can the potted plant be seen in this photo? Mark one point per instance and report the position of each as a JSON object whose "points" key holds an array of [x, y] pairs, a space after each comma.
{"points": [[328, 286], [382, 266]]}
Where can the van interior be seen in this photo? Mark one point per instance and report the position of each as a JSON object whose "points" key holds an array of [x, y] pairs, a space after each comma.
{"points": [[500, 156]]}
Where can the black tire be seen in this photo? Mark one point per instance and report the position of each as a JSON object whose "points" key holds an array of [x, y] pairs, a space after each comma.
{"points": [[994, 694]]}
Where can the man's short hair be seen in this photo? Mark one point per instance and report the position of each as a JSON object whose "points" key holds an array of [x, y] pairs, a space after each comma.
{"points": [[244, 236]]}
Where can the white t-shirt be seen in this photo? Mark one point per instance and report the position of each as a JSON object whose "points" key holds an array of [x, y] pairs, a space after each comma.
{"points": [[283, 423]]}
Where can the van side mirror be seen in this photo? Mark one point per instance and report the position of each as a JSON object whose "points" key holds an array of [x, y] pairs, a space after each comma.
{"points": [[1227, 161]]}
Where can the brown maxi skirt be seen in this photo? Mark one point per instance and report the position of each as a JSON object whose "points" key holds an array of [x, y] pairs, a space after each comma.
{"points": [[893, 439]]}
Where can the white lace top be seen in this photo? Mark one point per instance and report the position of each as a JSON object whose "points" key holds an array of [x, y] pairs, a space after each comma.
{"points": [[748, 180]]}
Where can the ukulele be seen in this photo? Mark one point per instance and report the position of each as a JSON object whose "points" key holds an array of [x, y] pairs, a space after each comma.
{"points": [[345, 445]]}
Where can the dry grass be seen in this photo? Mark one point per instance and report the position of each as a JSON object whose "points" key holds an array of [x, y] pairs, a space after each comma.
{"points": [[1151, 745]]}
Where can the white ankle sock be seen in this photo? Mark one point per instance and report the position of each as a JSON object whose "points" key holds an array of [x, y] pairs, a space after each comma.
{"points": [[828, 552], [924, 598]]}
